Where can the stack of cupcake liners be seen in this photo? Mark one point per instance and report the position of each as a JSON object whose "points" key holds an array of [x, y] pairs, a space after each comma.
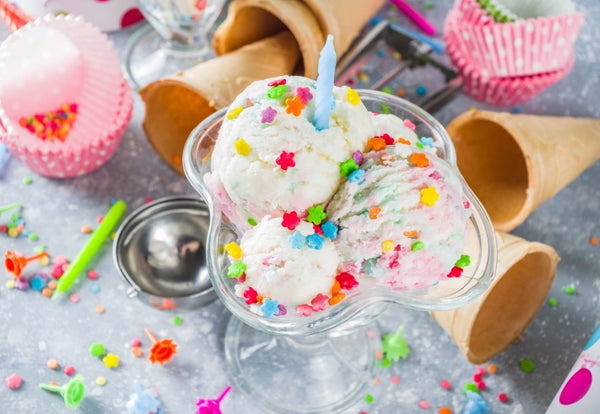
{"points": [[58, 60], [508, 63]]}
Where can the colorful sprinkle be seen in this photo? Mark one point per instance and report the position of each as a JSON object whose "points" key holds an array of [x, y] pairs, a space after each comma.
{"points": [[369, 399], [252, 221], [357, 176], [99, 309], [570, 290], [276, 91], [492, 368], [346, 280], [285, 160], [446, 384], [137, 351], [358, 157], [421, 90], [315, 241], [269, 307], [463, 261], [502, 397], [297, 240], [303, 92], [553, 302], [395, 379], [267, 116], [52, 363], [330, 230], [471, 387], [427, 141], [429, 196], [234, 250], [409, 124], [101, 381], [69, 370], [290, 220], [352, 96], [235, 112], [374, 212], [250, 295], [111, 361], [526, 365], [376, 143], [387, 245], [445, 410], [177, 320], [346, 167], [594, 241], [424, 404], [395, 346], [419, 159], [236, 269], [74, 297], [14, 381], [97, 349], [316, 214], [294, 105], [92, 274], [303, 310], [416, 246], [242, 147], [337, 298], [51, 125]]}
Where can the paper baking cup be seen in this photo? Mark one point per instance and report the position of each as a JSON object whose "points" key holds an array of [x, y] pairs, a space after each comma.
{"points": [[471, 12], [505, 91], [525, 47], [57, 60]]}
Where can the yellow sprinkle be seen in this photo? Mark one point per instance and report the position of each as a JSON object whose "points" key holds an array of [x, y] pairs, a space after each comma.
{"points": [[363, 77], [353, 97], [235, 112], [242, 147], [111, 360], [387, 245], [13, 232], [429, 196], [44, 260], [397, 55], [101, 381], [234, 250], [10, 284]]}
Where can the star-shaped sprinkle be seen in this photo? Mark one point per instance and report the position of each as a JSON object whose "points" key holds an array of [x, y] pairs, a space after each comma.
{"points": [[269, 307], [242, 147], [376, 143], [250, 295], [290, 220], [268, 115], [303, 92], [294, 105], [409, 124], [111, 361], [235, 112], [319, 302], [97, 349], [357, 176], [236, 270], [315, 241], [285, 160], [14, 381], [346, 167], [346, 281], [352, 96], [429, 196], [316, 214], [455, 272], [427, 141], [395, 346], [297, 240], [276, 91], [304, 310], [330, 230], [419, 159], [234, 250], [387, 138], [277, 82], [464, 261]]}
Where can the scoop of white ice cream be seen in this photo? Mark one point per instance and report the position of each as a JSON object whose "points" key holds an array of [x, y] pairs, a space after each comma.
{"points": [[269, 159]]}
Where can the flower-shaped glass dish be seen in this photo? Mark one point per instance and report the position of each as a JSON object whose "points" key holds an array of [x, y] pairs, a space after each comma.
{"points": [[362, 304]]}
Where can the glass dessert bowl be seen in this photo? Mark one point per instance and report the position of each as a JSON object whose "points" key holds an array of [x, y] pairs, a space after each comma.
{"points": [[324, 361]]}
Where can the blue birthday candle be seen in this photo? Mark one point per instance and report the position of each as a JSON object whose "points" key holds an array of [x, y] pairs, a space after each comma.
{"points": [[325, 80]]}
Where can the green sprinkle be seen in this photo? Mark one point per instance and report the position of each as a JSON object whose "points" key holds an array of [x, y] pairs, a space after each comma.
{"points": [[420, 145], [33, 237], [11, 225], [570, 290], [386, 362], [236, 270], [347, 167], [418, 245], [252, 222], [387, 89], [40, 249], [369, 399], [385, 109], [276, 91], [553, 302], [471, 387], [527, 365], [464, 261], [97, 349], [316, 215], [177, 320], [27, 180], [14, 217], [428, 5]]}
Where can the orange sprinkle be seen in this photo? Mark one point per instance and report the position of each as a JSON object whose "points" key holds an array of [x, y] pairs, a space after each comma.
{"points": [[47, 292], [374, 212], [335, 289], [379, 354], [294, 105], [412, 234], [52, 363], [99, 309], [401, 92], [376, 143], [377, 381], [53, 383], [52, 284], [86, 229], [177, 159], [402, 141], [260, 298], [334, 300], [445, 410], [492, 368], [594, 241], [419, 159], [137, 351], [386, 157]]}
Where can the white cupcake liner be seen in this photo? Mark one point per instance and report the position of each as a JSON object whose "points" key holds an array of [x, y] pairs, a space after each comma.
{"points": [[525, 47]]}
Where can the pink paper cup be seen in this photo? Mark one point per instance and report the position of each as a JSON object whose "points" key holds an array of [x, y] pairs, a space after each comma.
{"points": [[58, 60], [471, 12]]}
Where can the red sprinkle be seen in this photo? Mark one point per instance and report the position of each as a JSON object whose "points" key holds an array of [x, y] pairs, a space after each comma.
{"points": [[285, 160], [481, 385], [347, 281], [277, 82], [446, 384], [250, 295], [290, 220], [502, 397], [69, 370], [455, 272]]}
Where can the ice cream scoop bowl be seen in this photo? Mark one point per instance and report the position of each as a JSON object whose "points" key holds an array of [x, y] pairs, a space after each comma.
{"points": [[336, 339]]}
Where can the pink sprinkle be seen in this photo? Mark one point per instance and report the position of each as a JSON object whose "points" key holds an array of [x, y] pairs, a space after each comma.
{"points": [[304, 94], [69, 370], [446, 384], [99, 219], [74, 297], [481, 385], [268, 115], [388, 139], [395, 379], [60, 260], [92, 274], [135, 342], [14, 381], [409, 124], [502, 397], [424, 404], [371, 334], [303, 310], [277, 82], [480, 371], [282, 310], [148, 200], [477, 377], [357, 156], [466, 204], [319, 302]]}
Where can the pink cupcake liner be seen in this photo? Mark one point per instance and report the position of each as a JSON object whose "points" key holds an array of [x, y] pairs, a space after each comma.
{"points": [[56, 60], [525, 47], [506, 91], [470, 11]]}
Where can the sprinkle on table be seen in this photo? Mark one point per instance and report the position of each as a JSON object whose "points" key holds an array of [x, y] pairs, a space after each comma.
{"points": [[111, 360], [553, 302], [69, 370], [14, 381], [526, 365], [52, 363], [570, 290], [594, 241]]}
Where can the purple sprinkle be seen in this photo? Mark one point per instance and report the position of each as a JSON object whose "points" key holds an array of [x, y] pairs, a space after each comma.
{"points": [[357, 156], [268, 115], [282, 310], [22, 283]]}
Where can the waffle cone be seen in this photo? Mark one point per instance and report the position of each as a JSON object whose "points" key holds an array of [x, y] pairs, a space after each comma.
{"points": [[513, 163], [490, 324], [310, 22], [176, 104]]}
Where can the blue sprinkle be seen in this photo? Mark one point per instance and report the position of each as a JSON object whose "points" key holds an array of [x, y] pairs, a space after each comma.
{"points": [[95, 288], [380, 52], [476, 404], [427, 141], [421, 90], [330, 230], [516, 110], [297, 240], [270, 307], [315, 241], [37, 283], [357, 176], [19, 221], [25, 233]]}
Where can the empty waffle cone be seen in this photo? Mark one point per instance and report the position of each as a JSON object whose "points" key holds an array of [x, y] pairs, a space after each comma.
{"points": [[515, 162], [177, 103], [490, 324], [310, 22]]}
